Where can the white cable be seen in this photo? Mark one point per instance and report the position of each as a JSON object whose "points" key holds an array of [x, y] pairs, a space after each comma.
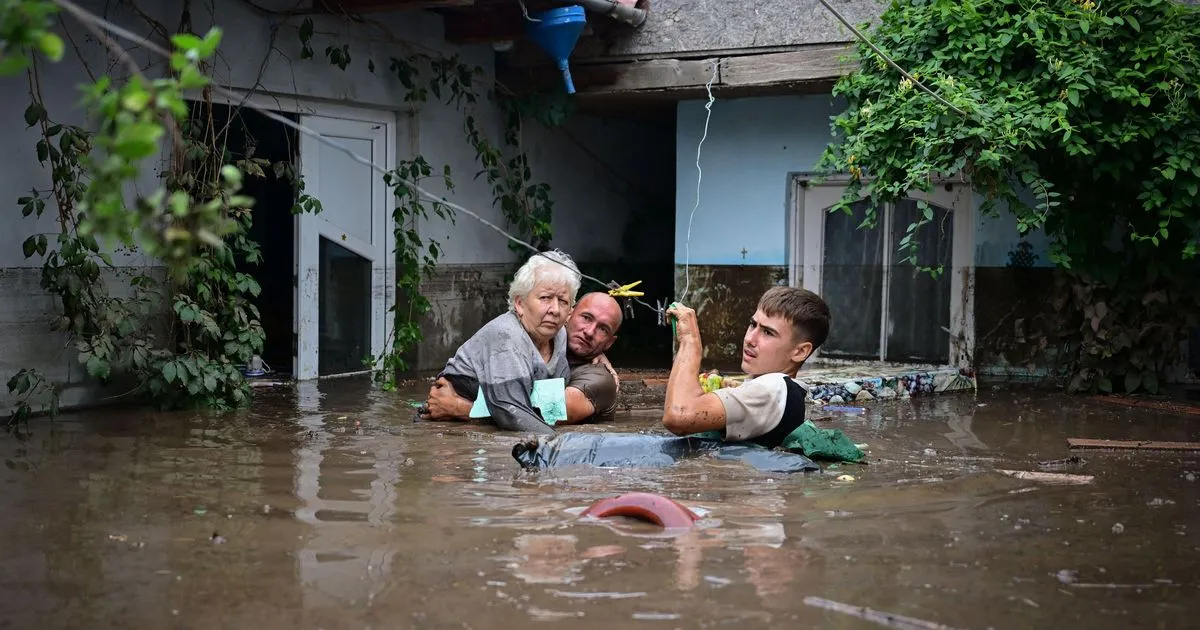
{"points": [[687, 244]]}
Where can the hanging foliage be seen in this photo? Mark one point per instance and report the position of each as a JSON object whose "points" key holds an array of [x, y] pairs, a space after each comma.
{"points": [[1078, 118]]}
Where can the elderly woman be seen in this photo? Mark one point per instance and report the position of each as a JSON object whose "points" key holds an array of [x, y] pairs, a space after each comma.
{"points": [[526, 344]]}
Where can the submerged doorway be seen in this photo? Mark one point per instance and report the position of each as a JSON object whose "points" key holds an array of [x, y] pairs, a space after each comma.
{"points": [[325, 275], [250, 134]]}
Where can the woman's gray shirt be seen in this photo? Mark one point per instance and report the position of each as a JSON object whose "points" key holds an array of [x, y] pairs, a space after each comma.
{"points": [[502, 359]]}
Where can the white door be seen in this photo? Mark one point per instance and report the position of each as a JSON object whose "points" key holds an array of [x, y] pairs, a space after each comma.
{"points": [[342, 267]]}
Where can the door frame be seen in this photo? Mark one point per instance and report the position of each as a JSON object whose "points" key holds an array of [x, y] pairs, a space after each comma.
{"points": [[390, 119], [805, 249]]}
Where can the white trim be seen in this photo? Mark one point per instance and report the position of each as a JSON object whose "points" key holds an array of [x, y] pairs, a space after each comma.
{"points": [[806, 246], [380, 131], [886, 288], [962, 280], [304, 106]]}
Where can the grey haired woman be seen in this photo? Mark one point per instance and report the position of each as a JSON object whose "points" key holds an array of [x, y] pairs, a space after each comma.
{"points": [[526, 344]]}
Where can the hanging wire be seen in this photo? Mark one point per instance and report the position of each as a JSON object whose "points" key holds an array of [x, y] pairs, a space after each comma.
{"points": [[90, 18], [687, 244], [525, 12]]}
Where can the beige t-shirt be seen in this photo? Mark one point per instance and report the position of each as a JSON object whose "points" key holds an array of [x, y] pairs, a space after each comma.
{"points": [[754, 408]]}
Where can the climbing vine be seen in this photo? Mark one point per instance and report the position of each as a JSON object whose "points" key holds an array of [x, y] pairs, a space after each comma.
{"points": [[193, 224], [1078, 118]]}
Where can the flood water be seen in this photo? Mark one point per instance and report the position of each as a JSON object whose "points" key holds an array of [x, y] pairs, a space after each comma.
{"points": [[326, 507]]}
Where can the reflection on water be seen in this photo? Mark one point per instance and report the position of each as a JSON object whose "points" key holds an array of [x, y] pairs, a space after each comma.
{"points": [[325, 506]]}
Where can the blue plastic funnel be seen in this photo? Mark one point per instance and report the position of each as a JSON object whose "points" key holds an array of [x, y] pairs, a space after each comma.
{"points": [[557, 31]]}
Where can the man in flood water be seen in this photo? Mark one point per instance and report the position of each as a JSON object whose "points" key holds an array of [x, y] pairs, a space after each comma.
{"points": [[787, 327], [592, 387]]}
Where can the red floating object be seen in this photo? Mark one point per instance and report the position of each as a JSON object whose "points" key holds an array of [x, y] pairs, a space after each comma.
{"points": [[644, 506]]}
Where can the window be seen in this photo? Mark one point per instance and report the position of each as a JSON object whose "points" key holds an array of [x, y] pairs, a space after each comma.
{"points": [[884, 307]]}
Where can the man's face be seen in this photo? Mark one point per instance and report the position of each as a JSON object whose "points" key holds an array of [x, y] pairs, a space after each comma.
{"points": [[770, 345], [592, 328]]}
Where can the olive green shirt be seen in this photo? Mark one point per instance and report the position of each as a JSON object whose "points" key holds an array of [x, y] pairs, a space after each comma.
{"points": [[598, 385]]}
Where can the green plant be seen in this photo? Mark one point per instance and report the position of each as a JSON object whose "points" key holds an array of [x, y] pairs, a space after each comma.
{"points": [[416, 259], [177, 338], [1092, 108]]}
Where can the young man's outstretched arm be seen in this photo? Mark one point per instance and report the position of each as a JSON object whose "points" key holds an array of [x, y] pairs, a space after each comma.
{"points": [[688, 409]]}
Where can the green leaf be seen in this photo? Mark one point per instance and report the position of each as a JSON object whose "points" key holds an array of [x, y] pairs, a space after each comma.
{"points": [[170, 371], [136, 100], [1150, 381], [138, 140], [185, 41], [190, 78], [97, 367], [12, 63], [34, 114], [1133, 380], [51, 45], [1085, 25]]}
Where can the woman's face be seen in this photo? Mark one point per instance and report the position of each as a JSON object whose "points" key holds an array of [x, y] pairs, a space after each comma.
{"points": [[544, 310]]}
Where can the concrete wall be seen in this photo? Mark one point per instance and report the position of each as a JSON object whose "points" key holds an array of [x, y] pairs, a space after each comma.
{"points": [[680, 28], [588, 165], [683, 27], [739, 233]]}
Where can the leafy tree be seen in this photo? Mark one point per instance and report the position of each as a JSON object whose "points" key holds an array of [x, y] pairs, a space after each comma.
{"points": [[1081, 118]]}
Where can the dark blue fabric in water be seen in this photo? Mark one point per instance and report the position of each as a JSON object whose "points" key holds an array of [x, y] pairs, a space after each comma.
{"points": [[634, 450]]}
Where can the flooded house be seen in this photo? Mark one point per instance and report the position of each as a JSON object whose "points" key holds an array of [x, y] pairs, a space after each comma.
{"points": [[683, 154], [328, 278], [323, 505]]}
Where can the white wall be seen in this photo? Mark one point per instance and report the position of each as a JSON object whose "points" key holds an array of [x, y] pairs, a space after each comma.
{"points": [[262, 53]]}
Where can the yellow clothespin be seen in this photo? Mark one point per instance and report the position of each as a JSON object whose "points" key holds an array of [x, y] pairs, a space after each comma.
{"points": [[624, 290]]}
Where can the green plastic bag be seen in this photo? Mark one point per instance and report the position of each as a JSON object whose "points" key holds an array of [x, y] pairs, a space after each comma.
{"points": [[813, 442], [818, 443]]}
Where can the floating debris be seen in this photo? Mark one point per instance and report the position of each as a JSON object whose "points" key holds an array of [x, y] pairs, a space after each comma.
{"points": [[1047, 477], [1073, 460], [599, 595], [883, 618]]}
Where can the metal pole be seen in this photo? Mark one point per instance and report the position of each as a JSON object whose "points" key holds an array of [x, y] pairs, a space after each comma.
{"points": [[613, 9]]}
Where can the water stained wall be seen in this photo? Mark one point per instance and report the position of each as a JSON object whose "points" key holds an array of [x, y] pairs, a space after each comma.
{"points": [[725, 297]]}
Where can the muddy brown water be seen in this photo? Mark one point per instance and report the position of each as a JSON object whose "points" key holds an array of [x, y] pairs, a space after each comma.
{"points": [[331, 509]]}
